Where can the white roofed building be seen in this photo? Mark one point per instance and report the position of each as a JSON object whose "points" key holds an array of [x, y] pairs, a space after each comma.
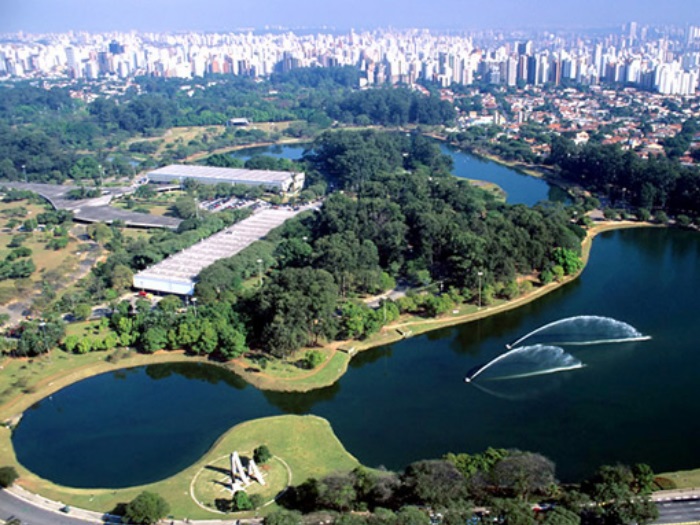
{"points": [[281, 181], [178, 273]]}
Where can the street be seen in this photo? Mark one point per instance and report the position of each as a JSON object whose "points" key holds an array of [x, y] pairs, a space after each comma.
{"points": [[11, 505], [678, 511]]}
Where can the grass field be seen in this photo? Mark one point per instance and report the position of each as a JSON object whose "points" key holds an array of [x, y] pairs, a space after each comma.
{"points": [[285, 375], [63, 261], [305, 443], [684, 479]]}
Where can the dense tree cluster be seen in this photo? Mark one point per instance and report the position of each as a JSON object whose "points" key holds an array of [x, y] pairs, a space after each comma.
{"points": [[45, 133], [392, 107], [211, 330], [657, 183], [400, 216], [505, 481], [37, 337]]}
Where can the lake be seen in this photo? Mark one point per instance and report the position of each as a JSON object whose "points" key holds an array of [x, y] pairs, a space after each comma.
{"points": [[632, 402], [519, 188]]}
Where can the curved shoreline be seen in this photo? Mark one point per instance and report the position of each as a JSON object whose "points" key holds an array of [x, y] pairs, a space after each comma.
{"points": [[329, 455], [415, 325], [337, 361], [78, 497]]}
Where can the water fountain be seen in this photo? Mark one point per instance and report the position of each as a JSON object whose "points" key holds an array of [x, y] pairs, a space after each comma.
{"points": [[528, 361], [584, 330], [547, 358]]}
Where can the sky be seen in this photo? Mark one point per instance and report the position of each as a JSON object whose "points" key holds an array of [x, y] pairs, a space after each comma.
{"points": [[39, 16]]}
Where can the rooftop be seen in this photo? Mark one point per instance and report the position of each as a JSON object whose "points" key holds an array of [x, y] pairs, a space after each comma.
{"points": [[225, 174], [185, 266]]}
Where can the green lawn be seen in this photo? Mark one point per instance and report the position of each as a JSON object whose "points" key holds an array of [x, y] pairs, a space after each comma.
{"points": [[684, 479], [306, 444], [285, 375]]}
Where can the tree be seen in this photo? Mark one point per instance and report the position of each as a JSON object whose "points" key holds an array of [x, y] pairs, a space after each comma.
{"points": [[70, 343], [122, 278], [146, 508], [337, 492], [613, 488], [558, 273], [169, 304], [185, 207], [283, 517], [567, 259], [312, 359], [145, 191], [471, 464], [153, 339], [262, 454], [295, 307], [8, 475], [411, 516], [512, 512], [241, 501], [523, 473], [433, 482], [661, 217], [561, 516], [99, 232], [82, 311]]}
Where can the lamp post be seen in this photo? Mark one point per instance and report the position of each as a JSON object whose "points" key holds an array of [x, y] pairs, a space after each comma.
{"points": [[480, 274], [24, 172], [260, 261], [101, 175], [194, 305], [42, 325]]}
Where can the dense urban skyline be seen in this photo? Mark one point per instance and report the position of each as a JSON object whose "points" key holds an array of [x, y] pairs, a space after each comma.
{"points": [[216, 15]]}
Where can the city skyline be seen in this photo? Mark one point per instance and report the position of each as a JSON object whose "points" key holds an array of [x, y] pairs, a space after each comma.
{"points": [[43, 16]]}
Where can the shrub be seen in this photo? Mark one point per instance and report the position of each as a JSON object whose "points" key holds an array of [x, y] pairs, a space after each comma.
{"points": [[241, 501], [683, 220], [312, 359], [661, 217], [8, 475], [146, 508], [643, 214], [661, 483], [262, 454]]}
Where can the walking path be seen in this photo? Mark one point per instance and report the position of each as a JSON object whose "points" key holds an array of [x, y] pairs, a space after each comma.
{"points": [[676, 494]]}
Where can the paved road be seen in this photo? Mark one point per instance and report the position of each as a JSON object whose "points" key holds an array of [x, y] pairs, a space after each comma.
{"points": [[37, 510], [11, 505], [98, 209], [678, 511], [674, 511]]}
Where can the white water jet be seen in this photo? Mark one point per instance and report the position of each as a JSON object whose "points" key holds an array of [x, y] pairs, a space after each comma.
{"points": [[529, 361], [587, 330]]}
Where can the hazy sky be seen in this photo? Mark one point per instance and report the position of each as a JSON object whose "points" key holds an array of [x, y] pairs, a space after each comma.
{"points": [[215, 15]]}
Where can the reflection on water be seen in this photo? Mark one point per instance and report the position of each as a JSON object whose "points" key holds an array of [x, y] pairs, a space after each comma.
{"points": [[408, 401]]}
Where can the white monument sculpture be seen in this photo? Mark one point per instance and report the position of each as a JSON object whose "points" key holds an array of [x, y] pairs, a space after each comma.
{"points": [[240, 479]]}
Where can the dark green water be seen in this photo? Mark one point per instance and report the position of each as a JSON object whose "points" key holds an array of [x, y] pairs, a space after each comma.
{"points": [[291, 152], [633, 402], [519, 188]]}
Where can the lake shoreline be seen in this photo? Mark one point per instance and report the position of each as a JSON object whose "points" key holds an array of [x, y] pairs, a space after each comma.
{"points": [[415, 326], [338, 353]]}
